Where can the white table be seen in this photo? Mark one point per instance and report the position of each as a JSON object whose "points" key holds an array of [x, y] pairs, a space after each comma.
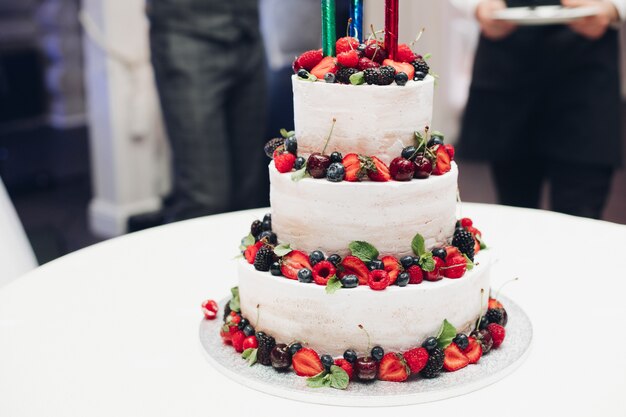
{"points": [[111, 330]]}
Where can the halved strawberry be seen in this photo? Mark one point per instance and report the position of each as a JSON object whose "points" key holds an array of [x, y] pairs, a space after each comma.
{"points": [[308, 60], [250, 252], [442, 164], [293, 262], [416, 359], [474, 350], [345, 44], [346, 366], [392, 267], [404, 67], [325, 66], [354, 167], [355, 266], [454, 359], [306, 362], [451, 251], [435, 274], [323, 271], [380, 172], [393, 368], [493, 303], [405, 54], [416, 274], [456, 266]]}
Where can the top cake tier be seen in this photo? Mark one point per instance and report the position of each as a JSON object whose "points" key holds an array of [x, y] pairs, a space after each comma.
{"points": [[371, 119]]}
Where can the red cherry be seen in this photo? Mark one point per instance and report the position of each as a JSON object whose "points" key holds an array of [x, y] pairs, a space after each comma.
{"points": [[402, 169], [423, 167]]}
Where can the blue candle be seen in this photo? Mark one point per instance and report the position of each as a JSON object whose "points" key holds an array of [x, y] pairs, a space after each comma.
{"points": [[356, 14]]}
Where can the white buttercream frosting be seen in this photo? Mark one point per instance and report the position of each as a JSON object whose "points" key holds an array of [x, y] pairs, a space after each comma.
{"points": [[372, 120], [314, 214], [396, 318]]}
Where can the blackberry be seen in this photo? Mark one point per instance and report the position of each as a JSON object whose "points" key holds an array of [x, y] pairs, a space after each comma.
{"points": [[420, 65], [387, 75], [464, 241], [494, 315], [343, 75], [264, 258], [266, 344], [256, 228], [227, 310], [272, 145], [434, 364], [371, 76]]}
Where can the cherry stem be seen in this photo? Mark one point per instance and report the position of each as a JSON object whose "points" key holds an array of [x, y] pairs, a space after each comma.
{"points": [[329, 135], [418, 37], [480, 316], [374, 34], [369, 341], [502, 286], [258, 314]]}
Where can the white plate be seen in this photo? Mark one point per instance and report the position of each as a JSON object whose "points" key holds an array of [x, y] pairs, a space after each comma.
{"points": [[543, 15], [491, 368]]}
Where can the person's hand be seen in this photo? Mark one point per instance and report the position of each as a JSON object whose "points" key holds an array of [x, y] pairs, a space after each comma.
{"points": [[491, 28], [593, 27]]}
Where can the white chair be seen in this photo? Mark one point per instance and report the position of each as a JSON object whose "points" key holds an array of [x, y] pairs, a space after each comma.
{"points": [[16, 254]]}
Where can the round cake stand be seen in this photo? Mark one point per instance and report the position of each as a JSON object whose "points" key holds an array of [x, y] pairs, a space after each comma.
{"points": [[491, 368]]}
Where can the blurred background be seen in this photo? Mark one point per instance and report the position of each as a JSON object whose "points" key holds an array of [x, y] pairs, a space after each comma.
{"points": [[82, 142]]}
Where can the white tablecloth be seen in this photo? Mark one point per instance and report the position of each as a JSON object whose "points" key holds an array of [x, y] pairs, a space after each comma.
{"points": [[111, 330]]}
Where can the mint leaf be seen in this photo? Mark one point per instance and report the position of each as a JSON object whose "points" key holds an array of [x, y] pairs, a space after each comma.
{"points": [[481, 242], [418, 246], [234, 302], [363, 250], [247, 241], [287, 134], [240, 256], [437, 133], [426, 262], [357, 78], [299, 174], [318, 381], [282, 249], [338, 377], [250, 355], [468, 262], [333, 285], [427, 56], [446, 334]]}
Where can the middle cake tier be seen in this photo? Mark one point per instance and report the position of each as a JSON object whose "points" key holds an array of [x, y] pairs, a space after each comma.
{"points": [[314, 214]]}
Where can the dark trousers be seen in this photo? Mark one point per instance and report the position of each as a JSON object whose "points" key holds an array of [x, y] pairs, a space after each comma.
{"points": [[576, 189], [213, 95]]}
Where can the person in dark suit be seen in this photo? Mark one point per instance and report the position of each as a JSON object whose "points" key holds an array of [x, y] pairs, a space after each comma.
{"points": [[544, 105]]}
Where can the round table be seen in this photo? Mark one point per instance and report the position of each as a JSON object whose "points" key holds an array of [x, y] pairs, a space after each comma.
{"points": [[112, 330]]}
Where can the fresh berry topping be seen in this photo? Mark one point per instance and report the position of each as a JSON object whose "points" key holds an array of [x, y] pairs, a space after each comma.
{"points": [[336, 157], [423, 167], [493, 303], [345, 44], [348, 59], [421, 66], [304, 74], [430, 343], [237, 339], [401, 67], [410, 152], [294, 348], [308, 60], [349, 281], [350, 355], [327, 361], [392, 266], [456, 266], [416, 359], [209, 309], [307, 363], [435, 274], [495, 315], [440, 253], [275, 269], [371, 75], [330, 78], [401, 78], [334, 259], [291, 145], [354, 167], [305, 275], [473, 351], [326, 65], [450, 150], [336, 172], [374, 50], [280, 357], [393, 368], [315, 257], [375, 264], [267, 217], [378, 280], [406, 261], [242, 323], [266, 224], [434, 364], [419, 76], [366, 63], [452, 250], [482, 325], [416, 274], [248, 331], [272, 145], [317, 165], [293, 262], [268, 236], [442, 164], [366, 368], [378, 353], [266, 344], [403, 279], [466, 222], [255, 228], [461, 341], [387, 75], [250, 252], [346, 366], [323, 271], [464, 241], [380, 172], [343, 74], [497, 334], [484, 338], [454, 358], [284, 162], [405, 54], [264, 258], [250, 342], [226, 336], [401, 169], [354, 266]]}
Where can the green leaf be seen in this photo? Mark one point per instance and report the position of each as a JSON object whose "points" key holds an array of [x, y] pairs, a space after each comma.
{"points": [[363, 250], [287, 134], [234, 302], [481, 242], [250, 355], [240, 256], [437, 133], [418, 246], [446, 334], [318, 381], [426, 262], [339, 378], [427, 56], [468, 262], [299, 174], [248, 240], [333, 285], [282, 249], [357, 78]]}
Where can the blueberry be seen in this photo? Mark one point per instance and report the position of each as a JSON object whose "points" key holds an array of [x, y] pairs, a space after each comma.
{"points": [[315, 257], [406, 261], [461, 341], [377, 353], [305, 275], [429, 344], [435, 140], [336, 157], [268, 216], [329, 78], [419, 76], [410, 152], [275, 269], [440, 253], [291, 145], [350, 281], [242, 323], [299, 164], [334, 259], [361, 49], [248, 330], [271, 237], [376, 264], [402, 78], [302, 73], [336, 172], [266, 225], [294, 348], [350, 355], [327, 361], [403, 279], [483, 323]]}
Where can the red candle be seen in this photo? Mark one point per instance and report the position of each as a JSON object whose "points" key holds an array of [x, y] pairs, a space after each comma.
{"points": [[391, 28]]}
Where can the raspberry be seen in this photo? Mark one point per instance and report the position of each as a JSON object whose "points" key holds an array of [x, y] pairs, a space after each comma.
{"points": [[284, 162], [345, 44], [405, 54], [346, 366], [323, 271], [464, 241], [416, 274], [378, 280], [416, 359], [308, 60], [497, 334], [264, 258]]}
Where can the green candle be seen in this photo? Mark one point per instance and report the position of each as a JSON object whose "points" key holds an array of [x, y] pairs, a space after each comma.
{"points": [[329, 33]]}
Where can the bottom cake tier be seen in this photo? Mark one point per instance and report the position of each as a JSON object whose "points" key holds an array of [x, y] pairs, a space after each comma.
{"points": [[397, 318]]}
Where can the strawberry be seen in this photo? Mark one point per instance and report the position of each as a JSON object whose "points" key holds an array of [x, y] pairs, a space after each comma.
{"points": [[408, 69], [451, 251], [450, 150], [250, 252], [325, 66], [354, 167], [209, 308], [250, 342], [378, 280], [435, 274], [226, 337], [416, 274], [346, 366], [293, 262], [416, 359], [306, 362], [237, 338], [474, 350], [349, 59], [308, 60], [365, 63], [454, 359], [345, 44], [393, 368], [323, 271], [467, 222], [392, 267], [353, 265], [497, 334], [442, 164], [493, 303], [455, 266], [380, 172], [405, 54], [284, 162]]}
